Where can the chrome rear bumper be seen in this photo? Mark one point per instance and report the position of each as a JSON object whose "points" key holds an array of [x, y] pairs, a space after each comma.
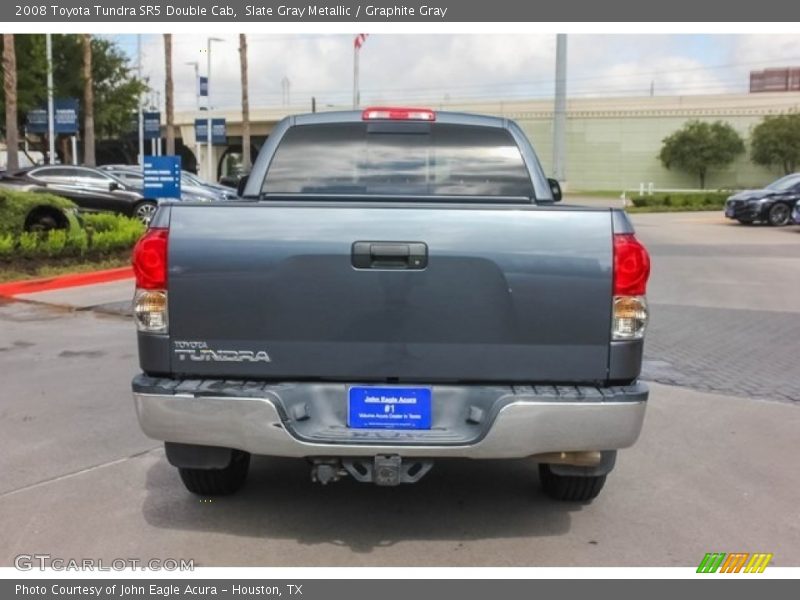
{"points": [[519, 421]]}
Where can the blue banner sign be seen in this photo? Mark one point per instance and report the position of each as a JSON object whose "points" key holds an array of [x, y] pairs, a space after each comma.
{"points": [[219, 134], [65, 117], [162, 176], [203, 85], [152, 125]]}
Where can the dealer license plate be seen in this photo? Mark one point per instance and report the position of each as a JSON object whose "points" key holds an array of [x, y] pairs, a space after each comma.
{"points": [[371, 407]]}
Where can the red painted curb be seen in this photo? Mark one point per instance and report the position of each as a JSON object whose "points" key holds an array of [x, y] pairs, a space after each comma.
{"points": [[14, 288]]}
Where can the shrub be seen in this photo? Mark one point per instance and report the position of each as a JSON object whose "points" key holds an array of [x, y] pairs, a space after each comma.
{"points": [[27, 244], [108, 231], [54, 242], [687, 200], [104, 242], [7, 244], [104, 234], [77, 243], [105, 221], [15, 206]]}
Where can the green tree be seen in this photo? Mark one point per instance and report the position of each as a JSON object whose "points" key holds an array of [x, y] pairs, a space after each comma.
{"points": [[699, 146], [776, 142], [115, 86]]}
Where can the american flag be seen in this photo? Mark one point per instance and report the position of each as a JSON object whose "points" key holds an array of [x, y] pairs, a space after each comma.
{"points": [[359, 40]]}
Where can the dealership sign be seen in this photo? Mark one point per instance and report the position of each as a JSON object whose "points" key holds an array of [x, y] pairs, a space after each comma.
{"points": [[65, 117], [152, 125], [162, 176], [219, 134]]}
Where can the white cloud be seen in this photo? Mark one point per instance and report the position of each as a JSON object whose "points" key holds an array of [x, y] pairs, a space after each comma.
{"points": [[668, 75], [398, 68], [760, 51]]}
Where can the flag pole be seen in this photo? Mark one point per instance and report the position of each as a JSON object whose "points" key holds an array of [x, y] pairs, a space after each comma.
{"points": [[358, 41], [355, 75]]}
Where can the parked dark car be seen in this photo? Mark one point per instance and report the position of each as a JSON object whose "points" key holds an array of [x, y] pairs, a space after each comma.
{"points": [[225, 190], [231, 180], [191, 190], [91, 189], [772, 205]]}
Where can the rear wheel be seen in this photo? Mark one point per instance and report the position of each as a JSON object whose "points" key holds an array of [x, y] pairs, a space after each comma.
{"points": [[779, 214], [45, 219], [570, 488], [144, 211], [217, 482]]}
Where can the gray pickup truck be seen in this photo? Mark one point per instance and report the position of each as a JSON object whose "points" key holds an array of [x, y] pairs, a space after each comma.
{"points": [[395, 286]]}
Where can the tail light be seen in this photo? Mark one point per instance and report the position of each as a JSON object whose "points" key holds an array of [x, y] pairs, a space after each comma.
{"points": [[631, 271], [398, 114], [150, 259], [631, 266], [150, 269]]}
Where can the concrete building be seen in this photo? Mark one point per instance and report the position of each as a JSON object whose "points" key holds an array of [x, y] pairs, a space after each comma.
{"points": [[612, 143]]}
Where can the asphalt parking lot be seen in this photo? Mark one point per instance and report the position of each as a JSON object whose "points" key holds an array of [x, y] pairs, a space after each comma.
{"points": [[714, 469]]}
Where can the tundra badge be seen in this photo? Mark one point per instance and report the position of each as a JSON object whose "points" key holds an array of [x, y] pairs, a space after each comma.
{"points": [[199, 351]]}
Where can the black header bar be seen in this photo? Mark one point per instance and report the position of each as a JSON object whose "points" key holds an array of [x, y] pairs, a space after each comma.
{"points": [[398, 11]]}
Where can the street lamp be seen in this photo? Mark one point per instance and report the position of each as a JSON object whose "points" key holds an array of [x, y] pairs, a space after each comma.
{"points": [[209, 159], [140, 108], [51, 127], [196, 65]]}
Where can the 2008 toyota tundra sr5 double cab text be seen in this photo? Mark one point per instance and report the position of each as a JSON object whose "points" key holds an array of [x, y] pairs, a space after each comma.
{"points": [[395, 286]]}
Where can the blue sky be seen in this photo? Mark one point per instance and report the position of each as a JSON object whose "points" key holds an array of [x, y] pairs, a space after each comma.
{"points": [[402, 68]]}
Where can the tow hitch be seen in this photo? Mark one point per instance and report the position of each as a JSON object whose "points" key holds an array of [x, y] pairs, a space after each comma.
{"points": [[386, 470]]}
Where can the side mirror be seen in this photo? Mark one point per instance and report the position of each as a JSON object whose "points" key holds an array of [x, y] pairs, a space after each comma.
{"points": [[113, 186], [241, 185], [555, 189]]}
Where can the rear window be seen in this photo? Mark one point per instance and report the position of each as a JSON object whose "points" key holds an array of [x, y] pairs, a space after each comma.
{"points": [[390, 158]]}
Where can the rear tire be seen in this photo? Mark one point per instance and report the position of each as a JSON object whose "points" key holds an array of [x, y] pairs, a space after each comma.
{"points": [[779, 214], [570, 488], [217, 482], [41, 220]]}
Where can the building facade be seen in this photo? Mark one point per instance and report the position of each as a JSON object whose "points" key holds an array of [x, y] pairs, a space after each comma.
{"points": [[612, 143]]}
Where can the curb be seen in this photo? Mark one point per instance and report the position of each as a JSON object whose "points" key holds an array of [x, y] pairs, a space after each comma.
{"points": [[28, 286]]}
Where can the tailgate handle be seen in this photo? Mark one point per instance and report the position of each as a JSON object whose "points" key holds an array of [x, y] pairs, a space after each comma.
{"points": [[390, 255]]}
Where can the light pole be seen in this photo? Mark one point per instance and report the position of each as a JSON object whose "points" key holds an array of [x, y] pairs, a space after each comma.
{"points": [[560, 110], [140, 108], [209, 158], [51, 125], [196, 65]]}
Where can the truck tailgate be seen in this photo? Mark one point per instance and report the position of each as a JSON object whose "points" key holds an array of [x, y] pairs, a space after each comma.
{"points": [[509, 294]]}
